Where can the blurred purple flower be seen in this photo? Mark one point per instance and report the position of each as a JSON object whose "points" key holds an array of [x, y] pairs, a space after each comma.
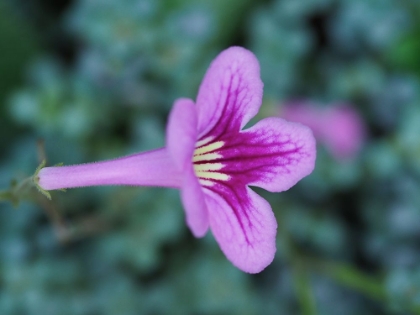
{"points": [[340, 128], [212, 160]]}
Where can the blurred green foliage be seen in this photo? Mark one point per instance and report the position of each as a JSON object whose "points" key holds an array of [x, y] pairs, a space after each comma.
{"points": [[348, 240], [16, 53]]}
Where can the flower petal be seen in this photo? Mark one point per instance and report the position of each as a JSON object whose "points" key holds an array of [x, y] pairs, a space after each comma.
{"points": [[231, 92], [194, 203], [273, 154], [181, 133], [181, 137], [244, 226], [285, 152]]}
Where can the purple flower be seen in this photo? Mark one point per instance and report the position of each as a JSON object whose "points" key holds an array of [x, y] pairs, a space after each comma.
{"points": [[213, 161], [340, 128]]}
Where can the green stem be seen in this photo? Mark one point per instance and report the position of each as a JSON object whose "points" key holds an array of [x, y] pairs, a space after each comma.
{"points": [[303, 288], [24, 184], [17, 191], [5, 195], [350, 277], [301, 280], [371, 286]]}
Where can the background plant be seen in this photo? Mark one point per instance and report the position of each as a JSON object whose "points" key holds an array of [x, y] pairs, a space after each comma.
{"points": [[96, 79]]}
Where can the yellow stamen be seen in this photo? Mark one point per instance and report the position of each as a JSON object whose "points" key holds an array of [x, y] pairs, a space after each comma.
{"points": [[205, 182], [209, 148], [203, 142], [206, 157], [213, 175], [205, 151], [208, 167]]}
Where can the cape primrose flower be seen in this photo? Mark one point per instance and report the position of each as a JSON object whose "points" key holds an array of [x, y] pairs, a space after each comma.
{"points": [[213, 161]]}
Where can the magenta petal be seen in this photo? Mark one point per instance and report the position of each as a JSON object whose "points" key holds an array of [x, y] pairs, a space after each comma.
{"points": [[245, 229], [195, 207], [231, 92], [181, 138], [273, 154], [181, 133], [287, 153]]}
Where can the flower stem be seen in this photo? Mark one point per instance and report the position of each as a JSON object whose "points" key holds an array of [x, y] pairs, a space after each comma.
{"points": [[350, 277], [300, 273], [303, 287], [17, 191]]}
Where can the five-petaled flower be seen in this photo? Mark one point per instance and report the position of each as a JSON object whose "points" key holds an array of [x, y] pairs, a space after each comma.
{"points": [[213, 161]]}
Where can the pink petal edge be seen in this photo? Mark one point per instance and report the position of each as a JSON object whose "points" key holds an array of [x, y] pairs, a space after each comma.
{"points": [[231, 84], [181, 133], [194, 203], [297, 155], [181, 138], [250, 246]]}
